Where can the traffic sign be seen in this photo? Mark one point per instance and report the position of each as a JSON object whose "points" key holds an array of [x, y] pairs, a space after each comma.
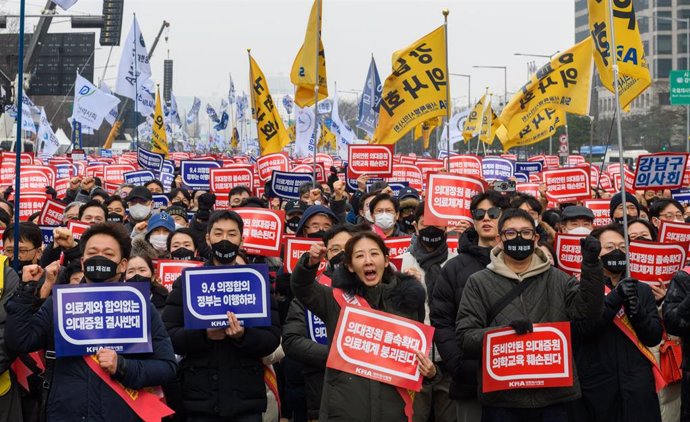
{"points": [[680, 87], [563, 145]]}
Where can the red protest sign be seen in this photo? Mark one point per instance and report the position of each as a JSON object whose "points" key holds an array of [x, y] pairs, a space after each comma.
{"points": [[574, 160], [652, 262], [567, 184], [324, 159], [551, 162], [568, 250], [267, 163], [295, 247], [663, 170], [629, 180], [78, 228], [51, 214], [408, 173], [30, 203], [453, 244], [61, 187], [601, 210], [673, 232], [96, 170], [529, 188], [511, 157], [169, 270], [539, 359], [397, 245], [379, 346], [465, 165], [309, 169], [606, 183], [429, 166], [448, 199], [374, 160], [116, 173], [263, 230], [408, 159], [34, 181], [25, 158], [222, 180]]}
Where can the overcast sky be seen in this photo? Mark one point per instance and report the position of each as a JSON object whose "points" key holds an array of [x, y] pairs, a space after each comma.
{"points": [[208, 39]]}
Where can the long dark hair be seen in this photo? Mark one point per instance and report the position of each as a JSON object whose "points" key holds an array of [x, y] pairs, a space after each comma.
{"points": [[357, 286]]}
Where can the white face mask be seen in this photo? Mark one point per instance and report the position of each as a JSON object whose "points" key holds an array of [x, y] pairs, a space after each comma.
{"points": [[367, 216], [139, 212], [580, 230], [159, 241], [179, 226], [385, 220]]}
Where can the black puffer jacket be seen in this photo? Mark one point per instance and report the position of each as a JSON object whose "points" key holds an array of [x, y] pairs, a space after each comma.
{"points": [[221, 378], [676, 312], [444, 308], [348, 397]]}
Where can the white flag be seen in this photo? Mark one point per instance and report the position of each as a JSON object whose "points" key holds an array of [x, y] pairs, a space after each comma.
{"points": [[344, 135], [48, 143], [304, 132], [146, 99], [112, 116], [193, 114], [134, 69], [65, 4], [27, 114], [174, 113], [457, 122], [91, 105], [145, 130]]}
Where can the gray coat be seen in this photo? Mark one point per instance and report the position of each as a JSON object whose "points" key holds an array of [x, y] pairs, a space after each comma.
{"points": [[554, 296]]}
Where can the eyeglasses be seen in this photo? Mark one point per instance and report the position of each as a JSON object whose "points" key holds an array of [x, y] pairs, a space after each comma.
{"points": [[493, 212], [335, 250], [316, 227], [511, 234], [10, 251], [671, 216]]}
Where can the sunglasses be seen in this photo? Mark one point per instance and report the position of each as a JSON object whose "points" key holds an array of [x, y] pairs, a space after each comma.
{"points": [[493, 212]]}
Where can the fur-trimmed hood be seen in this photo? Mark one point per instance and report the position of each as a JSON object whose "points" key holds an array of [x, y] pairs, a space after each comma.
{"points": [[141, 246], [403, 292]]}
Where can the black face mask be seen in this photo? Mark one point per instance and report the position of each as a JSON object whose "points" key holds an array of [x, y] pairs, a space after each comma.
{"points": [[336, 260], [432, 237], [98, 269], [182, 254], [618, 220], [114, 217], [22, 264], [614, 261], [180, 204], [224, 251], [139, 278], [408, 225], [292, 223], [519, 249], [199, 225], [318, 235]]}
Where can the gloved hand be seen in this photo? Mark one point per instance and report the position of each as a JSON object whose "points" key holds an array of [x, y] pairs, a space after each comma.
{"points": [[6, 194], [51, 191], [626, 287], [629, 291], [521, 326], [206, 201], [590, 249]]}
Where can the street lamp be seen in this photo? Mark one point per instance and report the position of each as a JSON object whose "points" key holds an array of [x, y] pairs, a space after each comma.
{"points": [[469, 86], [505, 80], [544, 56]]}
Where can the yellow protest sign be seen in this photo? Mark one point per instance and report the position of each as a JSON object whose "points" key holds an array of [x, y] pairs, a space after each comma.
{"points": [[634, 76], [416, 90], [159, 138], [270, 128], [543, 125], [303, 73]]}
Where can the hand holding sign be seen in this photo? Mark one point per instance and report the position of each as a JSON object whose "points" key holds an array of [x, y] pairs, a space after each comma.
{"points": [[107, 359], [234, 330], [215, 334], [426, 366]]}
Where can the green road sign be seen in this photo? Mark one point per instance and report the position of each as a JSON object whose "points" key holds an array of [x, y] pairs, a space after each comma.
{"points": [[680, 87]]}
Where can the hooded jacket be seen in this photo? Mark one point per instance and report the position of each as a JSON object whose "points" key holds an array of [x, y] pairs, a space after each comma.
{"points": [[553, 296], [348, 397], [445, 300]]}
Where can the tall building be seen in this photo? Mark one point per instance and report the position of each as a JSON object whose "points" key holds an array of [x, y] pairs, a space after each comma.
{"points": [[665, 47]]}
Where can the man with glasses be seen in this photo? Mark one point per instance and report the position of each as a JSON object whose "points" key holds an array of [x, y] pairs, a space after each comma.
{"points": [[632, 207], [548, 295], [666, 210], [316, 221], [475, 245]]}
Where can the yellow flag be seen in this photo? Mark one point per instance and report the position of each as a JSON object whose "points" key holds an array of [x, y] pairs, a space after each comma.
{"points": [[327, 138], [473, 121], [416, 90], [563, 84], [490, 126], [303, 70], [234, 141], [634, 76], [543, 125], [423, 131], [270, 128], [159, 139]]}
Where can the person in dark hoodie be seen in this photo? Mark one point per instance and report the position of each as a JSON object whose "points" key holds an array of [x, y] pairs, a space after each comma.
{"points": [[303, 344], [365, 274], [616, 207], [475, 245]]}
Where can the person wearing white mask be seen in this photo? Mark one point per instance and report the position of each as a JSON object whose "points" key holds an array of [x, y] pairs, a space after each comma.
{"points": [[577, 220], [155, 242], [140, 207], [384, 209]]}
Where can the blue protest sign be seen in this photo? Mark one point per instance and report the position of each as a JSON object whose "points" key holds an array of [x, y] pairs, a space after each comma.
{"points": [[494, 168], [150, 160], [47, 234], [197, 174], [316, 328], [139, 177], [521, 177], [528, 167], [160, 201], [286, 185], [395, 186], [167, 179], [168, 167], [660, 171], [107, 153], [351, 184], [681, 195], [62, 171], [209, 293], [90, 316]]}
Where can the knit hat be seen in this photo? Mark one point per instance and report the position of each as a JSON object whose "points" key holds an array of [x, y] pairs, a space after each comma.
{"points": [[617, 199]]}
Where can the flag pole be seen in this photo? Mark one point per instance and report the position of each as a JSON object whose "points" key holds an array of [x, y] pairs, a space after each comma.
{"points": [[18, 143], [614, 66], [251, 91], [316, 84], [136, 83], [445, 33]]}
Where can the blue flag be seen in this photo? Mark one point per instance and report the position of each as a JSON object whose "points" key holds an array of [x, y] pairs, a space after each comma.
{"points": [[223, 123], [212, 113], [370, 102], [193, 114]]}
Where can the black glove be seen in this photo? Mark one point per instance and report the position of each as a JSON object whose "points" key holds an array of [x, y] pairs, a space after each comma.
{"points": [[521, 326], [590, 249], [206, 201], [628, 289], [8, 192], [51, 191]]}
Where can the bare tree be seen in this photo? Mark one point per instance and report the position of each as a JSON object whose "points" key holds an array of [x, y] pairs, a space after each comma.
{"points": [[12, 23]]}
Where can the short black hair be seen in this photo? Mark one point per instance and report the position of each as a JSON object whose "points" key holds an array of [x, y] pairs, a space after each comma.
{"points": [[363, 199], [224, 215], [238, 190], [513, 213], [308, 186], [174, 191], [10, 205], [115, 230], [28, 232], [613, 227], [521, 198], [496, 199], [187, 231], [419, 212], [647, 224], [658, 206], [340, 228], [115, 198], [93, 204], [155, 181], [383, 197], [147, 259]]}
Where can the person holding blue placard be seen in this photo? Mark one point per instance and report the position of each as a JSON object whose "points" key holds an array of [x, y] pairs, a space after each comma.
{"points": [[74, 390], [221, 370]]}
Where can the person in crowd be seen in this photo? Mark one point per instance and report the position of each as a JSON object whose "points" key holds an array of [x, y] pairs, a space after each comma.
{"points": [[408, 199], [547, 295], [155, 187], [71, 212], [124, 190], [75, 392], [427, 254], [182, 245], [474, 255], [140, 206], [237, 195], [195, 199], [30, 245], [639, 229], [298, 343], [666, 210], [294, 210], [385, 210], [366, 274], [534, 208], [179, 215], [364, 213], [316, 221], [616, 207], [154, 242], [10, 401], [576, 219], [93, 212], [221, 370], [140, 268], [116, 209], [180, 197], [615, 373]]}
